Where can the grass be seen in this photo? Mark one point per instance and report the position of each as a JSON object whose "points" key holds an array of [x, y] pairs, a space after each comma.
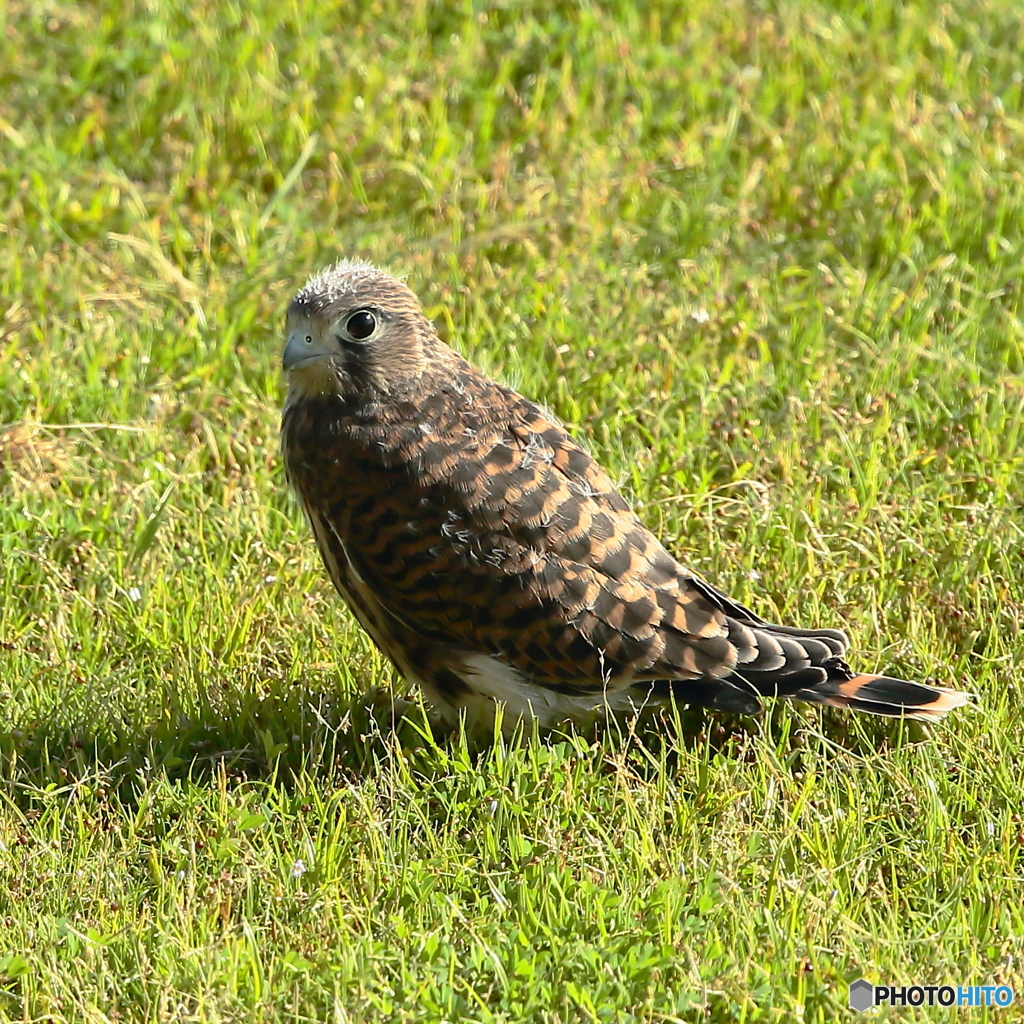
{"points": [[765, 257]]}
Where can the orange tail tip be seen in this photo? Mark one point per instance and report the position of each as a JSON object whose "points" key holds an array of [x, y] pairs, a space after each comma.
{"points": [[884, 695]]}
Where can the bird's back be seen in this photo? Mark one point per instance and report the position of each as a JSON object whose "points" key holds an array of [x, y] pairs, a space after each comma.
{"points": [[478, 522]]}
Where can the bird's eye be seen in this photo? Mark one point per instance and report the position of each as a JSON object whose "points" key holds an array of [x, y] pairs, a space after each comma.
{"points": [[361, 324]]}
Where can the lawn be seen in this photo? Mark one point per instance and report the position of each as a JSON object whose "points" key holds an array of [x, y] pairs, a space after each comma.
{"points": [[766, 259]]}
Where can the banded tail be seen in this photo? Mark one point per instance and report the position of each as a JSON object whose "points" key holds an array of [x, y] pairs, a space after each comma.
{"points": [[883, 695], [809, 665]]}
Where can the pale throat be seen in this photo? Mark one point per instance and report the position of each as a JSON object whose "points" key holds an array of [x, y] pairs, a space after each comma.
{"points": [[317, 378]]}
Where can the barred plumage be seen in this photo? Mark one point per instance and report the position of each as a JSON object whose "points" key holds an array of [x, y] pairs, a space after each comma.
{"points": [[491, 558]]}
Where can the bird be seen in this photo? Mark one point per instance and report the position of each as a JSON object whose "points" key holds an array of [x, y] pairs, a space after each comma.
{"points": [[490, 557]]}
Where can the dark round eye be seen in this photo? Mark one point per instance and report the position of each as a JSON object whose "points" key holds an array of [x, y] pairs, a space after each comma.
{"points": [[361, 324]]}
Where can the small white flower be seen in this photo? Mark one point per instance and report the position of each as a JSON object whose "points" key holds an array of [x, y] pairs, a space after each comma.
{"points": [[700, 315], [269, 579], [753, 575], [135, 594], [299, 869]]}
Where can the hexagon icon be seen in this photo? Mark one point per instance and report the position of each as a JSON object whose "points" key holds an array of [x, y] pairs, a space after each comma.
{"points": [[862, 995]]}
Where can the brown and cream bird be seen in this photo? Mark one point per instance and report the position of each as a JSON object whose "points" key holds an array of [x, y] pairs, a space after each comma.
{"points": [[491, 558]]}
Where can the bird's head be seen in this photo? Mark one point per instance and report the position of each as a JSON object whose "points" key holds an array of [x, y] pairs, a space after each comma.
{"points": [[357, 332]]}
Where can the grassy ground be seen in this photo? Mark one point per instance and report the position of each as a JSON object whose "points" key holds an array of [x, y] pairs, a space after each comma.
{"points": [[767, 257]]}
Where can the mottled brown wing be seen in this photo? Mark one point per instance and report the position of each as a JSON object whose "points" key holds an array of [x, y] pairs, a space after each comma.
{"points": [[491, 528]]}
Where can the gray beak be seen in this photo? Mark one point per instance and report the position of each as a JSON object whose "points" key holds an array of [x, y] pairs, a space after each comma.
{"points": [[300, 347]]}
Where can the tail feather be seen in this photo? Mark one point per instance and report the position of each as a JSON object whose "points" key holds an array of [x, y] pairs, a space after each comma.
{"points": [[884, 695], [823, 677], [803, 664]]}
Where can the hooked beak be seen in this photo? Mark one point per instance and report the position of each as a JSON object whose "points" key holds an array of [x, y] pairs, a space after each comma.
{"points": [[301, 348]]}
